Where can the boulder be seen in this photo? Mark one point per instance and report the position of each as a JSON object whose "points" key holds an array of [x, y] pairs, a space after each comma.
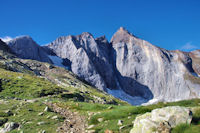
{"points": [[26, 48], [41, 113], [54, 117], [100, 119], [120, 123], [91, 126], [8, 127], [41, 123], [47, 109], [162, 120]]}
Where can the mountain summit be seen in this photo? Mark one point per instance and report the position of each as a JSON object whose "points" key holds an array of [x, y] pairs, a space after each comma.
{"points": [[24, 47], [122, 35]]}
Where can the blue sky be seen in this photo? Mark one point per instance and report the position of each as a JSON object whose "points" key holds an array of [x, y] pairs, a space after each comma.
{"points": [[170, 24]]}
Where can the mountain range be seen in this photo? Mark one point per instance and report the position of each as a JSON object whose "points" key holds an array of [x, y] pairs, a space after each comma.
{"points": [[126, 67]]}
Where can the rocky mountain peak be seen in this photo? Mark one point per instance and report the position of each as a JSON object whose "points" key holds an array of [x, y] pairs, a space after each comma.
{"points": [[22, 40], [102, 40], [122, 35], [122, 29], [25, 47], [85, 35]]}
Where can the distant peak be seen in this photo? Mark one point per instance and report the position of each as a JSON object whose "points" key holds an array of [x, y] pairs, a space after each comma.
{"points": [[22, 40], [101, 38], [122, 35], [122, 29], [86, 34], [23, 36]]}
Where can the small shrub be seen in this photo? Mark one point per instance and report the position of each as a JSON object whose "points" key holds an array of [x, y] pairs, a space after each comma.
{"points": [[74, 96], [4, 114]]}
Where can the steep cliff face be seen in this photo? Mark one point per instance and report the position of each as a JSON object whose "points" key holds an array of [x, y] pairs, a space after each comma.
{"points": [[195, 56], [151, 72], [89, 58], [24, 47], [129, 66]]}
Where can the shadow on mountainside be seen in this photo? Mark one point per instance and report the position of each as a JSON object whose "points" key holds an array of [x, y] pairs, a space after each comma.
{"points": [[130, 85]]}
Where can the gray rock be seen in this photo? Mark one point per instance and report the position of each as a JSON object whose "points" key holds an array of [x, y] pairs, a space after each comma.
{"points": [[47, 109], [41, 123], [41, 113], [120, 128], [120, 123], [100, 119], [91, 126], [84, 68], [132, 65], [89, 58], [24, 47], [43, 131], [55, 117], [8, 127], [8, 112], [162, 119], [151, 72]]}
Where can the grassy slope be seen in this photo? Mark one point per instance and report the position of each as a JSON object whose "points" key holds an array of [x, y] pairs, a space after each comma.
{"points": [[15, 87], [25, 86], [26, 114], [112, 113]]}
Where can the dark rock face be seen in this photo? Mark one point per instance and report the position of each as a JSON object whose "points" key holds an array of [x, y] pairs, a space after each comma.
{"points": [[24, 47], [4, 47]]}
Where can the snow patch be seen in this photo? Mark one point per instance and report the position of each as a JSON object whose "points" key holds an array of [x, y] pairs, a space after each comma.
{"points": [[57, 61], [152, 101], [125, 97], [6, 38]]}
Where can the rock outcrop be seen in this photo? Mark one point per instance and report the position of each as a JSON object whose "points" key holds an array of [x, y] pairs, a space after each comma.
{"points": [[162, 120], [8, 127], [24, 47]]}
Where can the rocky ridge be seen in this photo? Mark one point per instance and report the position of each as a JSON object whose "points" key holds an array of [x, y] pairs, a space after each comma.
{"points": [[26, 48], [127, 67], [132, 65]]}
